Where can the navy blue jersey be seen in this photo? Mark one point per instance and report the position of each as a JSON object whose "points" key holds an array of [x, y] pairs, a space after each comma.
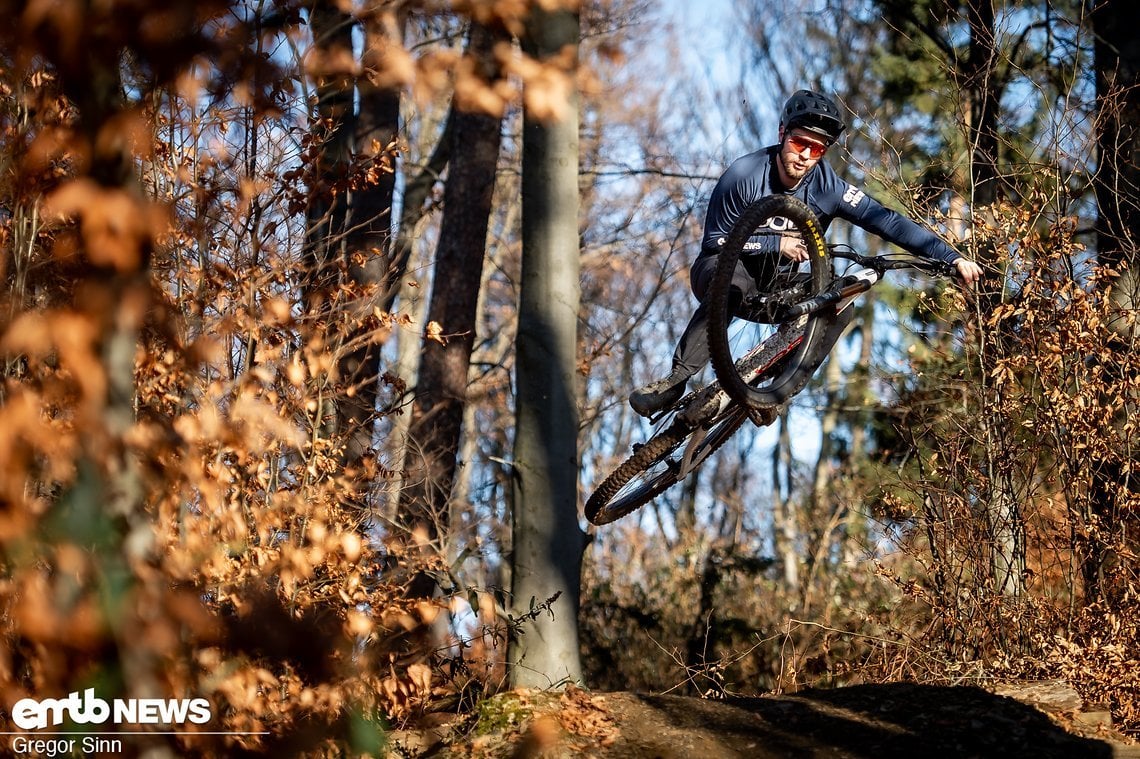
{"points": [[755, 176]]}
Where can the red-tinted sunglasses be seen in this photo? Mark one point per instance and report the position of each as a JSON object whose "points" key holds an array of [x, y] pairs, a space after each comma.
{"points": [[800, 144]]}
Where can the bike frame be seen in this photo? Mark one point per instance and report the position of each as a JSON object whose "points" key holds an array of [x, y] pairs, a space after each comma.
{"points": [[709, 404]]}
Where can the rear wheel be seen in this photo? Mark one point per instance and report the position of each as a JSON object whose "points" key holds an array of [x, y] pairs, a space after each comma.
{"points": [[664, 460], [786, 345]]}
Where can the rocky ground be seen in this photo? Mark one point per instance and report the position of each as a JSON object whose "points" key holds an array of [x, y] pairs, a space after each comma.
{"points": [[1041, 721]]}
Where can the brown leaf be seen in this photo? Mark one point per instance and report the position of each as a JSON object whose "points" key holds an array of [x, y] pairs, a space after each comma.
{"points": [[117, 227]]}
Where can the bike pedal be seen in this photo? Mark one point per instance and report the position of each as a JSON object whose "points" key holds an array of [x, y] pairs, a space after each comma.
{"points": [[699, 413]]}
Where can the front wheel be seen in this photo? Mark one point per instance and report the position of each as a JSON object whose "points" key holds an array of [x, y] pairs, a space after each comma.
{"points": [[781, 283]]}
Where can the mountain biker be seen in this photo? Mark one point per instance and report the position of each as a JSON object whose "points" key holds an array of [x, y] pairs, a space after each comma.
{"points": [[809, 124]]}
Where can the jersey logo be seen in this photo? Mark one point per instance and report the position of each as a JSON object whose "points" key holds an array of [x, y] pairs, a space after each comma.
{"points": [[778, 224], [772, 224], [853, 196]]}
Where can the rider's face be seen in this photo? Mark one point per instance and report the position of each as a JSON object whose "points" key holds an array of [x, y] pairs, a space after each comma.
{"points": [[800, 150]]}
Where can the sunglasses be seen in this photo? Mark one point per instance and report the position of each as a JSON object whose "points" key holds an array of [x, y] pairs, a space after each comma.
{"points": [[800, 144]]}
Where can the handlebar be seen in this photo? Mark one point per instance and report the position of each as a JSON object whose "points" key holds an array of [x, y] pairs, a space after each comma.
{"points": [[853, 284], [894, 261]]}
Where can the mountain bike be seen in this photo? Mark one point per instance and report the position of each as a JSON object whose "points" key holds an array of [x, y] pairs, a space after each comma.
{"points": [[792, 319]]}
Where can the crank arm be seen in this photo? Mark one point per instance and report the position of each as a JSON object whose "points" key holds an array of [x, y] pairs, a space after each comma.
{"points": [[706, 404]]}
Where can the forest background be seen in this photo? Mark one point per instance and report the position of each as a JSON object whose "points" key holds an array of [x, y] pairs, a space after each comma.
{"points": [[319, 319]]}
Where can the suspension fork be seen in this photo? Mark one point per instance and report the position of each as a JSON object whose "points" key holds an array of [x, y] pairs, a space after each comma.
{"points": [[839, 295]]}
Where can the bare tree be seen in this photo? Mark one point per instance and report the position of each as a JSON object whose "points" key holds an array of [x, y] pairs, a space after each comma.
{"points": [[437, 414], [1117, 186], [548, 542]]}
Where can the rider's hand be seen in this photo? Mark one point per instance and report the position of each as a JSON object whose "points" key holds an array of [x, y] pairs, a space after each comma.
{"points": [[969, 271], [793, 248]]}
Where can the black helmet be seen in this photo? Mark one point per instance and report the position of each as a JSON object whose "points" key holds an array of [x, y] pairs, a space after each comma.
{"points": [[814, 112]]}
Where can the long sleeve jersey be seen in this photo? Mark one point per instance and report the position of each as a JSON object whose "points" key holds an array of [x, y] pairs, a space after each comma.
{"points": [[755, 176]]}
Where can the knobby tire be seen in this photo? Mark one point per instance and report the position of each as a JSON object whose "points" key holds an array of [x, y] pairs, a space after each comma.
{"points": [[796, 368], [604, 506]]}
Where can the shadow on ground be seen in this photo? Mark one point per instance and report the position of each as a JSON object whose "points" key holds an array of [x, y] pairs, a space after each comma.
{"points": [[882, 720], [874, 721]]}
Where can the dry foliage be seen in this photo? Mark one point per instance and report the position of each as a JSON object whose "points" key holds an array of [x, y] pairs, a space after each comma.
{"points": [[1018, 491], [178, 516], [1012, 429]]}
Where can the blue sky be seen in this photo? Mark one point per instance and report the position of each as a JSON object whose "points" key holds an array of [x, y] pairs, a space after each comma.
{"points": [[712, 35], [705, 28], [711, 22]]}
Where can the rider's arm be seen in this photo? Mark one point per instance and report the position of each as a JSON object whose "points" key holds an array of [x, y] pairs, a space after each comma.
{"points": [[916, 239], [913, 238], [895, 228], [854, 205]]}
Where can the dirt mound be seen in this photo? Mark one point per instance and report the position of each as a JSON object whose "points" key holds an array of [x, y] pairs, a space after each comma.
{"points": [[881, 720]]}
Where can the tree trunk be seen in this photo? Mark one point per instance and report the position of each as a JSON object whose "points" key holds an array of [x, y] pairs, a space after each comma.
{"points": [[107, 279], [859, 396], [417, 190], [441, 392], [548, 543], [413, 305], [1007, 529], [327, 212], [829, 424], [702, 645], [787, 535], [1117, 63], [982, 94], [368, 243], [1117, 54]]}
